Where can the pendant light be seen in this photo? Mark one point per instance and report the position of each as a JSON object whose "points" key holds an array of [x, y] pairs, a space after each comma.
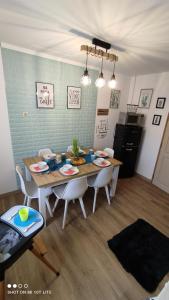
{"points": [[100, 81], [86, 80], [112, 82]]}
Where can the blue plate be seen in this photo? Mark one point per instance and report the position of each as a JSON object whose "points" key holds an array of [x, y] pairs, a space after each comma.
{"points": [[33, 217]]}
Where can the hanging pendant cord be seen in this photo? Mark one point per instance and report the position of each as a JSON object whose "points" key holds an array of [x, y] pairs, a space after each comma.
{"points": [[102, 64], [114, 67], [86, 59]]}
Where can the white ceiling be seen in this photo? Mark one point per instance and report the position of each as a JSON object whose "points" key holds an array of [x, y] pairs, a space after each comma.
{"points": [[140, 28]]}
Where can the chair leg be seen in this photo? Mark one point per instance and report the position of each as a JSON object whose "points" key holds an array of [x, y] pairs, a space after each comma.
{"points": [[29, 201], [82, 207], [107, 193], [55, 205], [49, 208], [65, 214], [95, 197], [25, 200], [44, 260]]}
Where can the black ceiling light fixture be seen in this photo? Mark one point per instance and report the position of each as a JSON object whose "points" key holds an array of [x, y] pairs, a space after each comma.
{"points": [[101, 44]]}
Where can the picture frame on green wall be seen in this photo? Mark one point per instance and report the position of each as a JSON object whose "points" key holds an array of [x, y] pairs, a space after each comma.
{"points": [[73, 97], [45, 95]]}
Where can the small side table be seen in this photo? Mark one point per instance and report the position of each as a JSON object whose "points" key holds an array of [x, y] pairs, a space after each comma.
{"points": [[14, 241]]}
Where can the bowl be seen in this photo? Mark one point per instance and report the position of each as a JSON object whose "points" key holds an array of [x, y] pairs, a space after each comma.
{"points": [[42, 164], [100, 160], [67, 167]]}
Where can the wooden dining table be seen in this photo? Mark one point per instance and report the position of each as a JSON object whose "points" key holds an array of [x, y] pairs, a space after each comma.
{"points": [[46, 181]]}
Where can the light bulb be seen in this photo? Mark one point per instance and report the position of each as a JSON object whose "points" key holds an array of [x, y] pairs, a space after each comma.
{"points": [[85, 80], [100, 81], [112, 82]]}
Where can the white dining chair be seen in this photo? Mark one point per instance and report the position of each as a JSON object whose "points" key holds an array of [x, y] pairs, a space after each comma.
{"points": [[69, 148], [110, 152], [45, 151], [74, 189], [30, 190], [101, 180]]}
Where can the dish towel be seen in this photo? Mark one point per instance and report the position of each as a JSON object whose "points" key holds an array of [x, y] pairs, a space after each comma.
{"points": [[164, 294]]}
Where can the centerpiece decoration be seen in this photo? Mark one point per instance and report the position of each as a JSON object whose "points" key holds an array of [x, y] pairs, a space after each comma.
{"points": [[76, 159]]}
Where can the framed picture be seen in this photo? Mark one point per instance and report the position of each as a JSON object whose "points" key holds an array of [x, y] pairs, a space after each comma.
{"points": [[156, 120], [160, 102], [73, 97], [45, 95], [115, 99], [145, 98]]}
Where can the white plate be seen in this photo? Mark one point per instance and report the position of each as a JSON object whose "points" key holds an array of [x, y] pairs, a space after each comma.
{"points": [[101, 154], [72, 171], [37, 169], [104, 163]]}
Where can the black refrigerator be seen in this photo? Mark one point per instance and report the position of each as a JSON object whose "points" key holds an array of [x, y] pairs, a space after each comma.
{"points": [[126, 146]]}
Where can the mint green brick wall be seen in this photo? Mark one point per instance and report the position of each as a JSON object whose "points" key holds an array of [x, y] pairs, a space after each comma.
{"points": [[42, 128]]}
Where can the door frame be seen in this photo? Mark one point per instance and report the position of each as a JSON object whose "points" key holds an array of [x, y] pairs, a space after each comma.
{"points": [[160, 147]]}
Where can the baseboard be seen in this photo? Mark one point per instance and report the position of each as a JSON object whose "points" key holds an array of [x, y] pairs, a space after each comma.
{"points": [[143, 177], [8, 194]]}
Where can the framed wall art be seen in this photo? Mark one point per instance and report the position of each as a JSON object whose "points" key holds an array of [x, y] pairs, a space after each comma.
{"points": [[45, 95], [145, 98], [115, 99], [156, 120], [73, 97], [160, 102]]}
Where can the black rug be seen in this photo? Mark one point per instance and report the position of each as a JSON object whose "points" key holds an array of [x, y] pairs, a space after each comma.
{"points": [[143, 251]]}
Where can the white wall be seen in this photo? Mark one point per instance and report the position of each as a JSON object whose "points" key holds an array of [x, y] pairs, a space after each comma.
{"points": [[7, 168], [103, 101], [152, 136]]}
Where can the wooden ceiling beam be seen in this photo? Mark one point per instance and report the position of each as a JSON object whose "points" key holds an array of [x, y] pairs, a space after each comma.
{"points": [[99, 53]]}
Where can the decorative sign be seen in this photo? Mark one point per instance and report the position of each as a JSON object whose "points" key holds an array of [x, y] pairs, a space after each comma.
{"points": [[156, 120], [73, 97], [102, 128], [115, 99], [102, 112], [160, 102], [145, 98], [45, 95]]}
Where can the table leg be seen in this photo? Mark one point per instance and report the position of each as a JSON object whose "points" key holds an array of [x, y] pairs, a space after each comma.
{"points": [[43, 259], [114, 181], [43, 193], [39, 245]]}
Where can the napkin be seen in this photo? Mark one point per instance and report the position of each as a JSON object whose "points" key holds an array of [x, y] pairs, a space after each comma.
{"points": [[69, 172]]}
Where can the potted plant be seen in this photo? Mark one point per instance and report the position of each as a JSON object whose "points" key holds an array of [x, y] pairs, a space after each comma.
{"points": [[75, 148], [76, 160]]}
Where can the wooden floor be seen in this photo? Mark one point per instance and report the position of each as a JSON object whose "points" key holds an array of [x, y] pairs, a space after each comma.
{"points": [[89, 270]]}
